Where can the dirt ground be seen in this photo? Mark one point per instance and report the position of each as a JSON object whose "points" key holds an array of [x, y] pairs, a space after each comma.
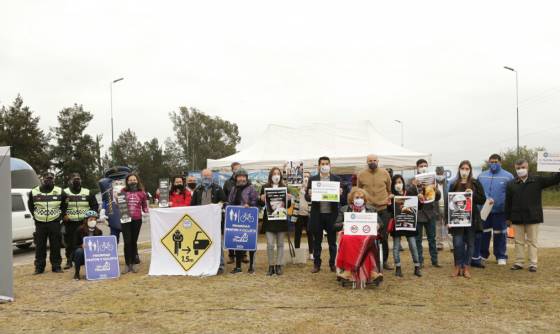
{"points": [[494, 300]]}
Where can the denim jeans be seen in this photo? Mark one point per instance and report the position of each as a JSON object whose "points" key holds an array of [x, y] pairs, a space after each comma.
{"points": [[411, 247], [463, 246], [275, 240], [430, 228], [78, 257]]}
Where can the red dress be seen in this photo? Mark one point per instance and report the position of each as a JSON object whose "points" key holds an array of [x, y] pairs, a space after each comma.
{"points": [[180, 199]]}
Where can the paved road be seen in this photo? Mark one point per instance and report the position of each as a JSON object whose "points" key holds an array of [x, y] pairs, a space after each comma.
{"points": [[549, 236]]}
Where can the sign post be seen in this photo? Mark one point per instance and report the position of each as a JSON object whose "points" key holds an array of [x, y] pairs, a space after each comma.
{"points": [[6, 255]]}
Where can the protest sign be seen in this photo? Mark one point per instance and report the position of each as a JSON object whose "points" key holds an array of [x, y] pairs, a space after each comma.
{"points": [[426, 186], [406, 213], [460, 209], [276, 202], [241, 226], [163, 193], [101, 257], [325, 191], [293, 171], [360, 223], [548, 162]]}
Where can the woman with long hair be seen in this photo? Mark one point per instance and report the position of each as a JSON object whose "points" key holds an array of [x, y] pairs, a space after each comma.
{"points": [[136, 200]]}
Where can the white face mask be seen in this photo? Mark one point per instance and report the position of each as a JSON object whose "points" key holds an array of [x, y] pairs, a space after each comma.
{"points": [[358, 201], [398, 187], [325, 169], [522, 172], [275, 178], [91, 224], [464, 174], [422, 170]]}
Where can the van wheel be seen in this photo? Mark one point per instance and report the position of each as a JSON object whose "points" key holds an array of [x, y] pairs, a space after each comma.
{"points": [[23, 246]]}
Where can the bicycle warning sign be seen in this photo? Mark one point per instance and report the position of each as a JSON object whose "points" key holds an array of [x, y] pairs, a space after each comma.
{"points": [[240, 230], [187, 242]]}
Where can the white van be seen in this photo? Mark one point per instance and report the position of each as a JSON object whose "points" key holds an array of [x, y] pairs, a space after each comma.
{"points": [[23, 225]]}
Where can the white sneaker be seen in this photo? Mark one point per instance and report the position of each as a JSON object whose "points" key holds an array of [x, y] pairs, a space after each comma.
{"points": [[502, 262], [311, 257]]}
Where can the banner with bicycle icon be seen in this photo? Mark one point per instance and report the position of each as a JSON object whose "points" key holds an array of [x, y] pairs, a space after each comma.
{"points": [[101, 258], [241, 228]]}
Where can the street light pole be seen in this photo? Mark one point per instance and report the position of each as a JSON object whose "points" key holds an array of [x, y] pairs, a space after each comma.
{"points": [[112, 125], [516, 103], [402, 131]]}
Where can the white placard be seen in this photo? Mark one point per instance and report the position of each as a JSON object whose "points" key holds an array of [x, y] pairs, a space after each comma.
{"points": [[325, 191], [486, 209], [548, 162], [360, 223]]}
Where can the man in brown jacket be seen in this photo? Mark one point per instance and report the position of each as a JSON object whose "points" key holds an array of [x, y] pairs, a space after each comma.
{"points": [[377, 182]]}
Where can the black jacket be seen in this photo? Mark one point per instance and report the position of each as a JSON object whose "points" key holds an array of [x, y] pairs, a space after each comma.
{"points": [[217, 195], [228, 186], [479, 198], [275, 225], [426, 212], [315, 207], [524, 199], [82, 232]]}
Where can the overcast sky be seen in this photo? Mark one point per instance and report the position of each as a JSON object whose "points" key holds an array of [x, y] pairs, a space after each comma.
{"points": [[437, 66]]}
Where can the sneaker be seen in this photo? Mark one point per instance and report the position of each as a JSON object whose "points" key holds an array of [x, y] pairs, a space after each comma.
{"points": [[235, 271], [134, 268], [533, 269], [398, 272], [38, 271], [516, 267], [315, 269], [279, 270], [57, 270], [271, 271], [436, 265], [68, 265], [478, 265], [311, 257], [502, 262], [77, 276], [126, 269], [417, 271]]}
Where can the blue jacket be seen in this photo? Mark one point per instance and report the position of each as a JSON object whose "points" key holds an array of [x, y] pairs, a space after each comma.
{"points": [[495, 187]]}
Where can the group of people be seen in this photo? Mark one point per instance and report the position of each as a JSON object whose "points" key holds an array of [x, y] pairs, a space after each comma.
{"points": [[515, 201]]}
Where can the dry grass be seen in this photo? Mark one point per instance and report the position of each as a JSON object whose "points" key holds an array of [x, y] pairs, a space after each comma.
{"points": [[495, 300]]}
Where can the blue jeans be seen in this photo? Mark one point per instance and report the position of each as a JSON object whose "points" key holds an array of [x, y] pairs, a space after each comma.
{"points": [[79, 259], [496, 223], [411, 247], [476, 257], [463, 246], [430, 228]]}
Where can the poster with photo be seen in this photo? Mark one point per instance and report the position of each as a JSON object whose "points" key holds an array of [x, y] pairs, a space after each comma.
{"points": [[276, 200], [406, 213], [163, 193], [460, 209], [293, 172], [426, 185]]}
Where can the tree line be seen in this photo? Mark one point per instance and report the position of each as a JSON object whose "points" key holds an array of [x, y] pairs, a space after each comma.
{"points": [[67, 148]]}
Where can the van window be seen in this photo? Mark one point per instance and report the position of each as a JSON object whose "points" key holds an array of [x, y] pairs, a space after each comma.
{"points": [[17, 203]]}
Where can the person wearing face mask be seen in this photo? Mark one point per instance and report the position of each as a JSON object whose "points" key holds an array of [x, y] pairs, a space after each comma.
{"points": [[463, 237], [357, 255], [80, 200], [275, 230], [178, 195], [88, 228], [523, 209], [228, 186], [191, 184], [494, 181], [442, 233], [427, 215], [323, 217], [376, 181], [301, 210], [210, 193], [48, 204], [136, 200], [243, 194], [398, 188]]}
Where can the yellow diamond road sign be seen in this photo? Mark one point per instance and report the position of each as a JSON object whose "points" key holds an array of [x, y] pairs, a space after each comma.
{"points": [[186, 242]]}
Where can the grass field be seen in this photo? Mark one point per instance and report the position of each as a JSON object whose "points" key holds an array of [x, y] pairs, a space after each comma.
{"points": [[494, 300], [551, 198]]}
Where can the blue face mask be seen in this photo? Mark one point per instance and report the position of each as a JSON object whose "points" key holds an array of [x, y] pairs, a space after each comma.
{"points": [[207, 182], [495, 167]]}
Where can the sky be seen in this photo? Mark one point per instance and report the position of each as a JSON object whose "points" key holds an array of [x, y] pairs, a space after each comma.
{"points": [[435, 65]]}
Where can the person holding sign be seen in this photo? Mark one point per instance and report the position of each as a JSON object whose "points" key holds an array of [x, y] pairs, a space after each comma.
{"points": [[524, 210], [463, 236], [275, 200], [137, 208], [88, 228], [405, 210], [357, 255], [376, 181], [179, 195], [245, 195], [324, 211]]}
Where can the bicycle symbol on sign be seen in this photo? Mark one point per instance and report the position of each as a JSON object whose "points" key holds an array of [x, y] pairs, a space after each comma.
{"points": [[246, 218]]}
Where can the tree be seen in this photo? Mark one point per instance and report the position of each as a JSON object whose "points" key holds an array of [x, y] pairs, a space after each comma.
{"points": [[151, 166], [126, 150], [175, 161], [203, 137], [74, 150], [19, 128]]}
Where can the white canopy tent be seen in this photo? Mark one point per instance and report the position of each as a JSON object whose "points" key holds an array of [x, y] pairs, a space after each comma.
{"points": [[346, 144]]}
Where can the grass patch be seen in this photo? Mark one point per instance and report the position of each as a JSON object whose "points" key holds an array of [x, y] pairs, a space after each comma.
{"points": [[494, 300], [551, 198]]}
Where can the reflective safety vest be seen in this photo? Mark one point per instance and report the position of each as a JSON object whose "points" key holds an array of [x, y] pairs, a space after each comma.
{"points": [[47, 205], [78, 204]]}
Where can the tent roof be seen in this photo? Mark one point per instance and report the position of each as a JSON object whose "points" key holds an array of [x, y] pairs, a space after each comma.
{"points": [[346, 144]]}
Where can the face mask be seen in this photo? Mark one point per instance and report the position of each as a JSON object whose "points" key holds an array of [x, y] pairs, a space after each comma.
{"points": [[206, 181], [48, 183], [358, 201], [275, 179], [91, 224], [76, 184], [440, 178], [180, 187], [464, 174], [399, 187], [495, 167], [192, 185], [422, 170], [133, 186], [522, 172], [372, 165], [325, 169]]}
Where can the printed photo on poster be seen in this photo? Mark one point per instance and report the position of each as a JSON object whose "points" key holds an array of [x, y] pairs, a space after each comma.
{"points": [[460, 209], [406, 213], [293, 172], [163, 193], [276, 200], [426, 185]]}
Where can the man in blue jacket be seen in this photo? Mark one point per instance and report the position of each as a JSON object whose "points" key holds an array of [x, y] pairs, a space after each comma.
{"points": [[495, 182]]}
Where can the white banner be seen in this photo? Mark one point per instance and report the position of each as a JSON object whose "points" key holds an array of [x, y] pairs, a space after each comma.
{"points": [[186, 240], [548, 162]]}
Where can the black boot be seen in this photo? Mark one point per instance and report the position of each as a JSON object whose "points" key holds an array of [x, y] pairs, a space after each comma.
{"points": [[398, 271], [77, 273], [279, 270], [417, 271], [270, 271], [68, 265]]}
